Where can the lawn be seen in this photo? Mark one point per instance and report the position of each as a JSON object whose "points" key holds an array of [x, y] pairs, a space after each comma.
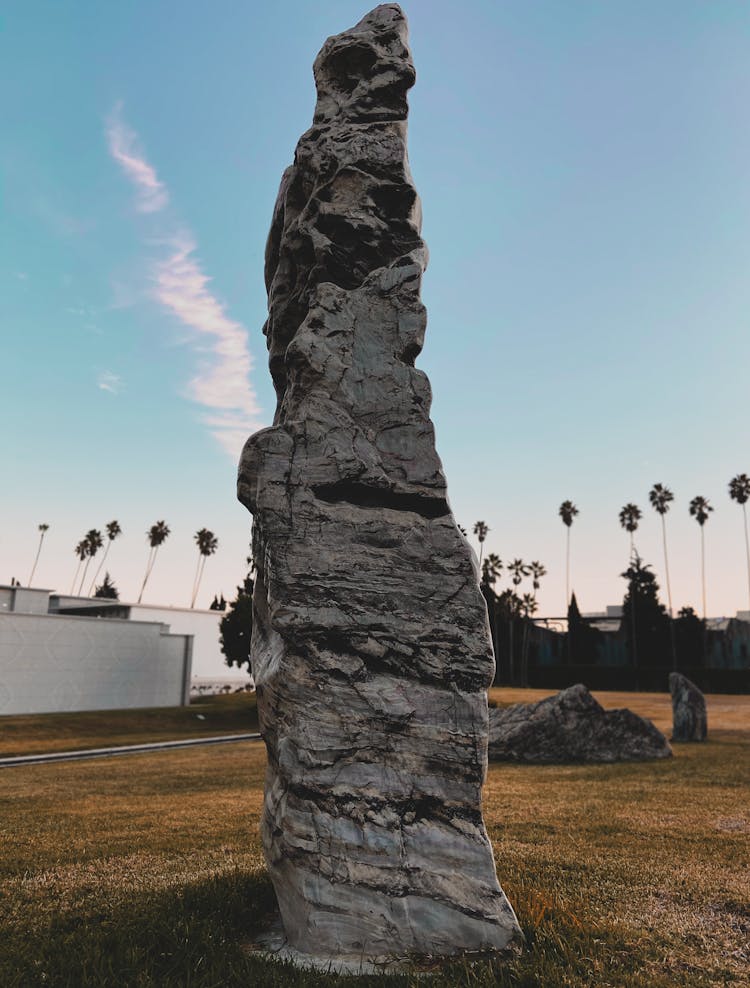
{"points": [[32, 734], [146, 870]]}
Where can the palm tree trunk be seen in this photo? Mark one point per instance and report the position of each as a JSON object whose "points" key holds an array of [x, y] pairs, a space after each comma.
{"points": [[666, 562], [525, 653], [703, 571], [197, 580], [634, 628], [78, 570], [99, 567], [149, 565], [567, 571], [747, 551], [669, 594], [80, 588], [41, 539]]}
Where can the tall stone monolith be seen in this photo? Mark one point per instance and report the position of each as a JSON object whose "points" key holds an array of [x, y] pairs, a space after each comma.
{"points": [[689, 721], [370, 649]]}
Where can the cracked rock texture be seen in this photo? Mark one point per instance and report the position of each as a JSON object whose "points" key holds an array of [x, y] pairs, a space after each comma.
{"points": [[370, 648], [572, 727], [689, 721]]}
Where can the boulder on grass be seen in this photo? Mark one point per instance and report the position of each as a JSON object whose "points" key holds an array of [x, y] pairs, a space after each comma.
{"points": [[572, 727], [688, 709]]}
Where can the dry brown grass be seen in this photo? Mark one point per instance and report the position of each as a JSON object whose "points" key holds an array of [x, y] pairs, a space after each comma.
{"points": [[31, 734], [622, 875]]}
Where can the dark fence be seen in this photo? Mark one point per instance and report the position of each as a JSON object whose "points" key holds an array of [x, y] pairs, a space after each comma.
{"points": [[528, 654]]}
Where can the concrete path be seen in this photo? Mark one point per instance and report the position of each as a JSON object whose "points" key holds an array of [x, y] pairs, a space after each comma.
{"points": [[127, 749]]}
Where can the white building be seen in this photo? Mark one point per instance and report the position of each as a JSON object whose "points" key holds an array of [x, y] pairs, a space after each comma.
{"points": [[208, 659], [52, 659]]}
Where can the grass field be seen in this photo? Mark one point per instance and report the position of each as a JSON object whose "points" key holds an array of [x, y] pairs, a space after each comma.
{"points": [[146, 870], [31, 734]]}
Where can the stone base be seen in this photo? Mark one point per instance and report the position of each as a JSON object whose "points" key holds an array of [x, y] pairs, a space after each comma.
{"points": [[273, 945]]}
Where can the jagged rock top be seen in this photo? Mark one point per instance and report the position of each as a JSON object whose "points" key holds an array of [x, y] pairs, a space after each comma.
{"points": [[363, 74], [347, 206]]}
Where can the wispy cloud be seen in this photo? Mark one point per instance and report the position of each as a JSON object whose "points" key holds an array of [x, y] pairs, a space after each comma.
{"points": [[222, 384], [223, 381], [151, 194], [107, 381]]}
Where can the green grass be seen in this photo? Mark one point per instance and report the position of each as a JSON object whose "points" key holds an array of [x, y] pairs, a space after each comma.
{"points": [[146, 870], [27, 734]]}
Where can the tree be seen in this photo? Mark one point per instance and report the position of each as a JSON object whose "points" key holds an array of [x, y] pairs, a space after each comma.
{"points": [[700, 510], [519, 570], [491, 569], [107, 589], [567, 512], [236, 627], [207, 546], [113, 530], [661, 497], [481, 530], [630, 515], [93, 539], [43, 529], [583, 640], [652, 624], [82, 551], [690, 633], [156, 536], [508, 610], [739, 491], [537, 571]]}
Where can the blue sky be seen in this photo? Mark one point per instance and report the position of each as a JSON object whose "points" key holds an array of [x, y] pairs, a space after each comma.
{"points": [[583, 171]]}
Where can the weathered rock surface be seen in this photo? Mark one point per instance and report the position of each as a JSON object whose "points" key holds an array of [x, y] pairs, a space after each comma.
{"points": [[689, 721], [370, 649], [572, 727]]}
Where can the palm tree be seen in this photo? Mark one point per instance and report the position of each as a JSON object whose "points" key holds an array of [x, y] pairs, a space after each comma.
{"points": [[94, 541], [537, 571], [519, 570], [207, 546], [156, 535], [481, 530], [661, 497], [82, 551], [739, 491], [113, 530], [700, 510], [567, 512], [630, 515], [42, 529], [491, 569]]}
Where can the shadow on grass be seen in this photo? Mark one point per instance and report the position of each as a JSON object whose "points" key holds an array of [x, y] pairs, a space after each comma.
{"points": [[193, 937]]}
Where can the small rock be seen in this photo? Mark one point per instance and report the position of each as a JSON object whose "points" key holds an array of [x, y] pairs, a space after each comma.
{"points": [[688, 709], [572, 727]]}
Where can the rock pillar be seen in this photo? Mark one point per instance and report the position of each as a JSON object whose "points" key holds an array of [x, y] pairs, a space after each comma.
{"points": [[371, 650], [689, 721]]}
